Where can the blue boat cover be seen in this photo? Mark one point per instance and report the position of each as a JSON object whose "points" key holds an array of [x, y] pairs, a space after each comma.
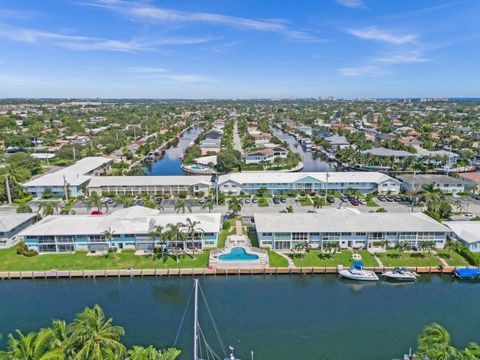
{"points": [[467, 273], [358, 264]]}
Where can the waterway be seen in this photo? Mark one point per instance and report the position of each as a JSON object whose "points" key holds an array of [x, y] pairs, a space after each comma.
{"points": [[308, 317], [311, 161], [169, 162]]}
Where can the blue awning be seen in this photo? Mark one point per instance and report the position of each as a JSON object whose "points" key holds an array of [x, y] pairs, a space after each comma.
{"points": [[358, 264]]}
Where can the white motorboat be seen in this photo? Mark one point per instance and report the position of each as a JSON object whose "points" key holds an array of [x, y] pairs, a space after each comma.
{"points": [[356, 272], [400, 274]]}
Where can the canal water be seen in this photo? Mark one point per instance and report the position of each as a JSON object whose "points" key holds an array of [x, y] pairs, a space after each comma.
{"points": [[311, 161], [169, 162], [298, 317]]}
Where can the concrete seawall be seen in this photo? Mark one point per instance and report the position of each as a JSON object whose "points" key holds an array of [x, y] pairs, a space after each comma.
{"points": [[75, 274]]}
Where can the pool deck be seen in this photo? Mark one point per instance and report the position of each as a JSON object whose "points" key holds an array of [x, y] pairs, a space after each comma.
{"points": [[238, 241]]}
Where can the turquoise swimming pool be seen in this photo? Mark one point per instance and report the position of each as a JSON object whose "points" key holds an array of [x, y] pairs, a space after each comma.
{"points": [[196, 167], [238, 254]]}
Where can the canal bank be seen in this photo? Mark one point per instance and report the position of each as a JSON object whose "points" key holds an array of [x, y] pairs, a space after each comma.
{"points": [[312, 161], [169, 162], [276, 317]]}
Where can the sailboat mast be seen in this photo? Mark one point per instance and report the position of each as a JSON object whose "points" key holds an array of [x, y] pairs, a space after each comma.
{"points": [[195, 323]]}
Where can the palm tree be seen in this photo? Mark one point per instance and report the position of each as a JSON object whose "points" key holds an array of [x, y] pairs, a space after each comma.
{"points": [[434, 343], [385, 243], [208, 205], [34, 346], [158, 234], [48, 208], [143, 353], [173, 234], [192, 229], [317, 202], [235, 205], [94, 337], [123, 200], [94, 200], [181, 206], [23, 207], [108, 235], [169, 354]]}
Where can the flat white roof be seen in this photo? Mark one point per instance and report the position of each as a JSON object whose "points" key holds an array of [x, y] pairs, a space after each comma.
{"points": [[75, 174], [272, 177], [125, 222], [468, 231], [100, 181], [347, 220], [10, 221]]}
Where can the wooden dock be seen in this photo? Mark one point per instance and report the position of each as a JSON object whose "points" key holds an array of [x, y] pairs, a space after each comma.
{"points": [[92, 274]]}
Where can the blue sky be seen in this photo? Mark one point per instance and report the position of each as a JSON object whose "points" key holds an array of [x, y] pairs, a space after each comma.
{"points": [[239, 48]]}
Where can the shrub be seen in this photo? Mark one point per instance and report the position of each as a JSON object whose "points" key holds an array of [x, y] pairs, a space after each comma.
{"points": [[22, 249], [128, 251], [381, 210], [471, 258], [182, 194]]}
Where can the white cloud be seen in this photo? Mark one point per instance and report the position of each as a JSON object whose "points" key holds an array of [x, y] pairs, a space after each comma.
{"points": [[156, 14], [413, 57], [367, 70], [87, 43], [384, 35], [153, 73], [351, 3]]}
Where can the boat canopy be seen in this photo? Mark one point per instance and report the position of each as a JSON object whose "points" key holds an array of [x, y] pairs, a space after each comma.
{"points": [[358, 264], [467, 273]]}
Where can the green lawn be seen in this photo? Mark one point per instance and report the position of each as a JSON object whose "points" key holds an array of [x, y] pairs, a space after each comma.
{"points": [[10, 261], [395, 258], [315, 258], [452, 258], [371, 203], [222, 236], [276, 260], [305, 201], [262, 202]]}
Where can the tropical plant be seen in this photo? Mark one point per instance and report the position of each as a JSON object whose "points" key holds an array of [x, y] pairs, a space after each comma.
{"points": [[434, 343], [94, 336], [192, 229], [33, 346], [48, 208], [124, 200], [94, 200], [23, 207], [181, 206], [235, 205]]}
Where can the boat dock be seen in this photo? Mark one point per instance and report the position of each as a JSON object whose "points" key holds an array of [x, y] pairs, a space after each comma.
{"points": [[92, 274]]}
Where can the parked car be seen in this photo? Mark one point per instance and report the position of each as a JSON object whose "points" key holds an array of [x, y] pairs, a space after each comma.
{"points": [[283, 199], [276, 200], [389, 199], [362, 202], [246, 201], [344, 199], [330, 199], [96, 212], [381, 198], [354, 202], [311, 211], [107, 200], [202, 201], [397, 199], [254, 200]]}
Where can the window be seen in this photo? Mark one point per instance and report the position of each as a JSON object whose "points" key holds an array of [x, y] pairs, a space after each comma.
{"points": [[300, 236], [267, 234], [282, 236]]}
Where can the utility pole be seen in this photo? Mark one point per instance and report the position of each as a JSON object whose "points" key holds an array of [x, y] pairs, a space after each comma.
{"points": [[413, 187], [65, 188], [7, 186], [327, 175]]}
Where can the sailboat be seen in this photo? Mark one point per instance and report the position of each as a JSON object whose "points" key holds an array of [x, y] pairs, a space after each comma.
{"points": [[201, 349]]}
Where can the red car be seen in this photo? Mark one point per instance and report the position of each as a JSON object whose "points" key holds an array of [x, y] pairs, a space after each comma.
{"points": [[96, 212]]}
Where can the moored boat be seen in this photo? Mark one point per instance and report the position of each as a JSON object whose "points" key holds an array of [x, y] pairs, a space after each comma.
{"points": [[356, 272], [400, 274], [467, 274]]}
